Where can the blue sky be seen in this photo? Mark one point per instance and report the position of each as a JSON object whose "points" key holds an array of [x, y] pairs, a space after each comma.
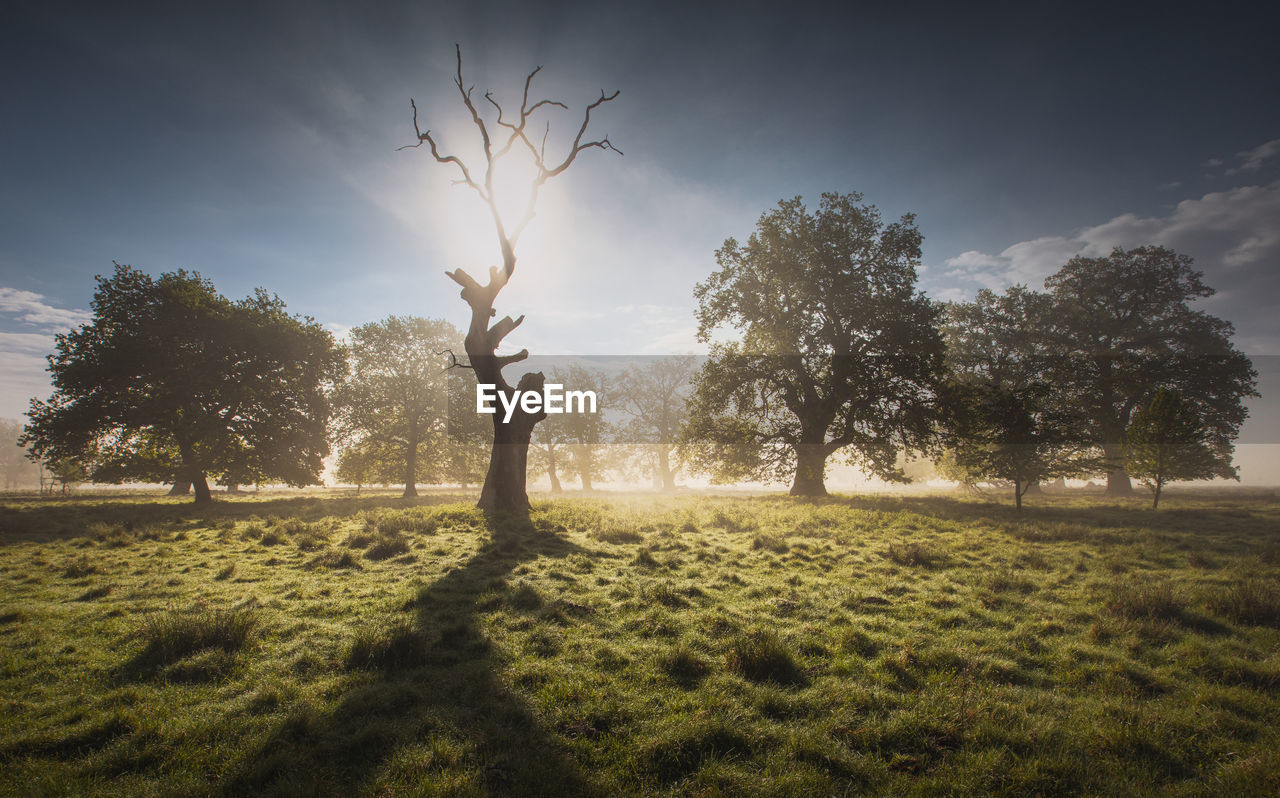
{"points": [[257, 145]]}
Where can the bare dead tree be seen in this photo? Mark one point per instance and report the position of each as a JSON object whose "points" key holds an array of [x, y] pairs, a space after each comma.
{"points": [[504, 485]]}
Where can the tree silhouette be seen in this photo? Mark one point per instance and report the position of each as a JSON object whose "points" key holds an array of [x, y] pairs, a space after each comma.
{"points": [[1121, 327], [172, 379], [656, 396], [504, 485], [838, 350], [1000, 419]]}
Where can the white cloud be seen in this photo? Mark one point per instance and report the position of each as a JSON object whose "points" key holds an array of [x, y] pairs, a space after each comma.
{"points": [[1232, 235], [30, 307], [22, 354], [1254, 158], [22, 371]]}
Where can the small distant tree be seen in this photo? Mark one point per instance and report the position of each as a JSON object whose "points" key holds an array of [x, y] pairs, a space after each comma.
{"points": [[548, 450], [1168, 442], [837, 350], [173, 382], [17, 468], [996, 431], [585, 435], [655, 396], [1002, 421], [396, 397]]}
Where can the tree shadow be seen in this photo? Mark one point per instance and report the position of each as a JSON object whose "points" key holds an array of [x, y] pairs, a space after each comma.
{"points": [[430, 704]]}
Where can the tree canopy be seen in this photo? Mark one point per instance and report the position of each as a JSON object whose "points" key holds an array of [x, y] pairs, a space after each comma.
{"points": [[836, 348], [171, 381], [1121, 327], [1000, 420]]}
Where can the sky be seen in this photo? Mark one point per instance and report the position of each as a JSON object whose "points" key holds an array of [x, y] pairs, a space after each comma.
{"points": [[257, 144]]}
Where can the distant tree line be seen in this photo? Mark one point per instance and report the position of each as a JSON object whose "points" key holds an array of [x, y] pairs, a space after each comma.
{"points": [[821, 346]]}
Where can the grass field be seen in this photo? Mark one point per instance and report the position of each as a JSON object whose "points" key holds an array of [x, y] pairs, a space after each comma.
{"points": [[686, 645]]}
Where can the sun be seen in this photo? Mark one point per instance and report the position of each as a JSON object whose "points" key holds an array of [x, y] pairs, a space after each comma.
{"points": [[464, 224]]}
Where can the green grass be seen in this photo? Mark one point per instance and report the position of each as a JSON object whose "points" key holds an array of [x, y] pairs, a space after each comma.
{"points": [[898, 645]]}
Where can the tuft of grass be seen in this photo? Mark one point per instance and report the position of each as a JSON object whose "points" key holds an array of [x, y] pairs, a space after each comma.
{"points": [[1006, 579], [94, 593], [1252, 601], [771, 543], [171, 635], [79, 568], [394, 647], [913, 554], [683, 665], [619, 536], [1146, 601], [334, 560], [387, 546], [686, 750], [762, 656]]}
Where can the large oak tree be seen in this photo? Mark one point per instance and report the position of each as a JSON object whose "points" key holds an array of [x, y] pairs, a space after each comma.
{"points": [[1120, 328], [836, 348], [173, 381]]}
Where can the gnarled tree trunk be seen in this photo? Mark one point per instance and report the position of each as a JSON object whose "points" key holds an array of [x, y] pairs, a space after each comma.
{"points": [[1118, 483], [504, 484], [811, 466]]}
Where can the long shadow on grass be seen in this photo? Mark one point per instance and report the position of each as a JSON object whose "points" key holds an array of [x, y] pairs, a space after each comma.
{"points": [[429, 705]]}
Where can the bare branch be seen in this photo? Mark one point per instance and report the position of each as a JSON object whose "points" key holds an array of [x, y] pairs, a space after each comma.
{"points": [[454, 362]]}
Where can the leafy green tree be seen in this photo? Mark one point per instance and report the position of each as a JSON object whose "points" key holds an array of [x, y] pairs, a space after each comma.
{"points": [[395, 400], [1122, 326], [655, 396], [173, 381], [1168, 443], [836, 351], [998, 431], [1002, 422]]}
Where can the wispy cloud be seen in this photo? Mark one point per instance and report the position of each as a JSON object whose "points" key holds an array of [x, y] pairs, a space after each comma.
{"points": [[1232, 235], [22, 354], [1254, 158], [31, 308]]}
